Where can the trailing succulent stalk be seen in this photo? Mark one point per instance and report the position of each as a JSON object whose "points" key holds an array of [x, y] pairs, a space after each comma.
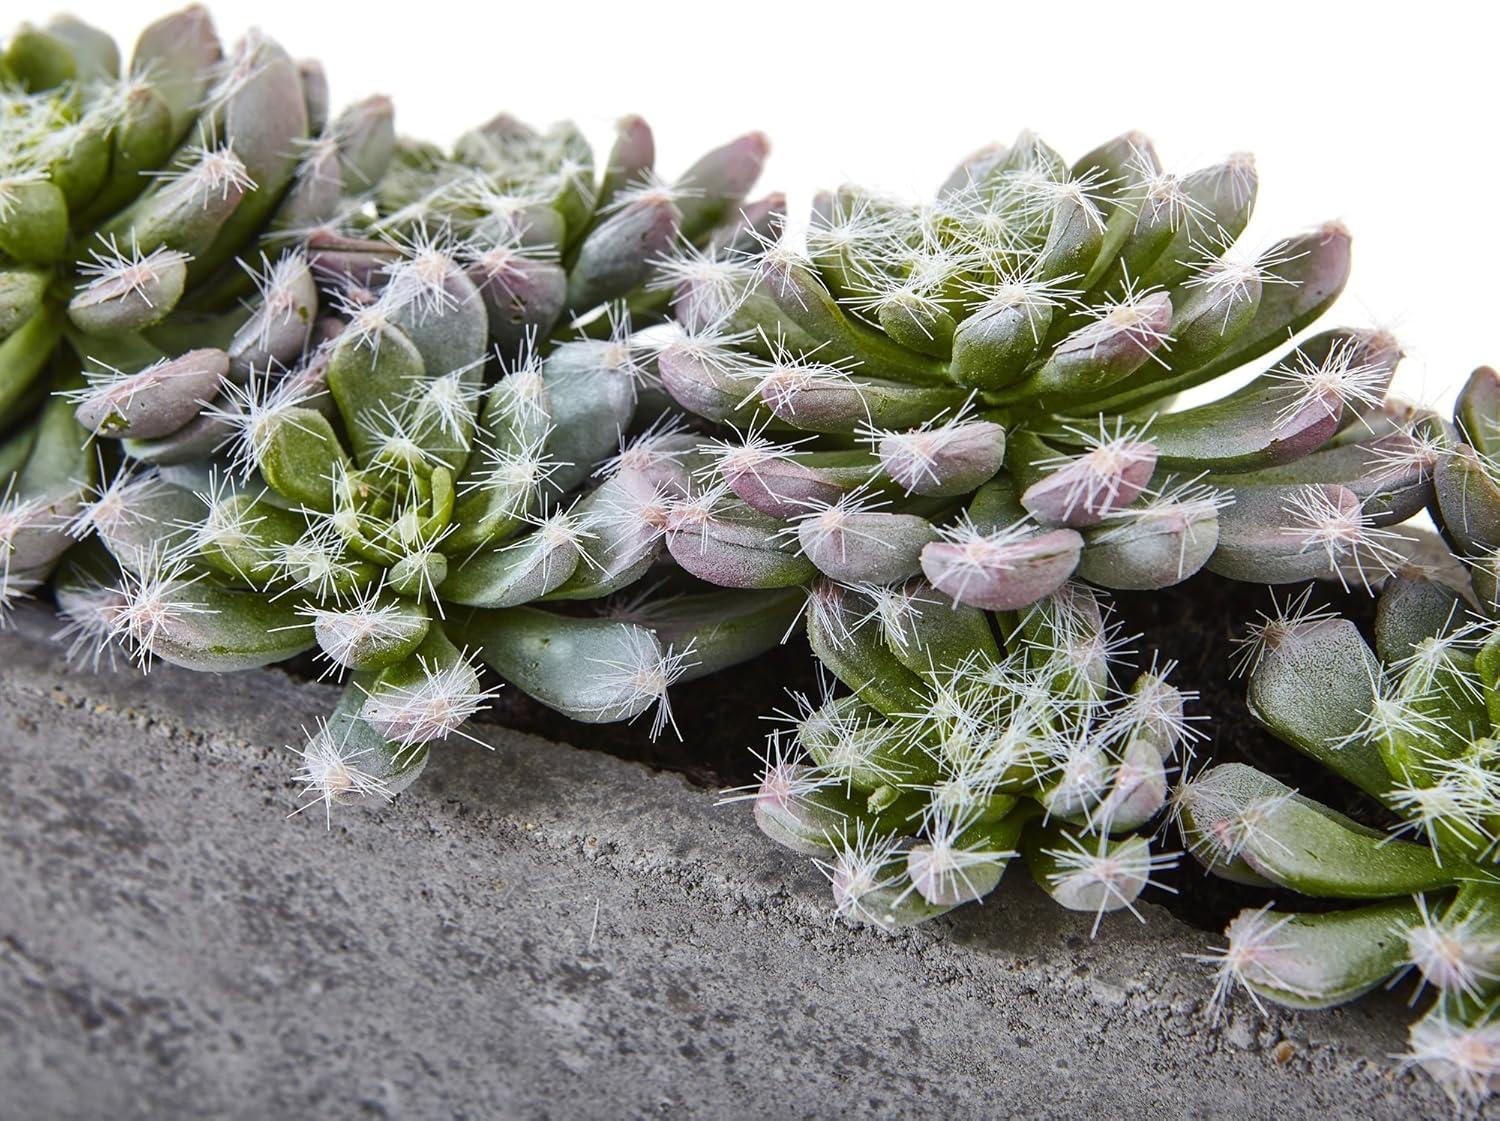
{"points": [[381, 442], [952, 423], [273, 383], [1409, 721]]}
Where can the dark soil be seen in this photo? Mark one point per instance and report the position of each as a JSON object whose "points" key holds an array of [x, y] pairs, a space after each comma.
{"points": [[721, 718]]}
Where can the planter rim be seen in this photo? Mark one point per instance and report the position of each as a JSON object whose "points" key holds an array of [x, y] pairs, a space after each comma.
{"points": [[541, 930]]}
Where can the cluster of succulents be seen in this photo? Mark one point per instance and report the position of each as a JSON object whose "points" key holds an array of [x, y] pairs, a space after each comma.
{"points": [[950, 424], [277, 383], [1029, 330], [135, 204], [1410, 723], [959, 748], [334, 401]]}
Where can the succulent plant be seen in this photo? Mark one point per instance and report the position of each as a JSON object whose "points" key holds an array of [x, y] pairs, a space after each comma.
{"points": [[274, 384], [955, 751], [1030, 331], [136, 206], [1410, 721], [951, 424], [396, 448]]}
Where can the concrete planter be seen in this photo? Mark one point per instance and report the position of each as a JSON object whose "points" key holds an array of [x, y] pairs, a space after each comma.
{"points": [[545, 932]]}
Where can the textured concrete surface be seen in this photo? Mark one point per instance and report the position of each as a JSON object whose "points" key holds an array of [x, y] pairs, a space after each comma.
{"points": [[544, 932]]}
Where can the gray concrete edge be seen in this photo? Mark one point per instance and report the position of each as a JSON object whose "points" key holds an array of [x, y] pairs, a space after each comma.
{"points": [[537, 930]]}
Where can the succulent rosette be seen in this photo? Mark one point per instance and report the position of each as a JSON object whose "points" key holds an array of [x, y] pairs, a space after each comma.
{"points": [[354, 396], [956, 425]]}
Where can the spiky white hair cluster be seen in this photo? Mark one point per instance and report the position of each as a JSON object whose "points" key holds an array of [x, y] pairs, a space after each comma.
{"points": [[1259, 952], [154, 596], [865, 869], [707, 285], [782, 379], [434, 706], [1232, 282], [207, 171], [335, 772], [120, 504], [638, 675], [1462, 1057], [1226, 824], [982, 552], [250, 412], [1097, 475], [1453, 953], [1104, 875], [912, 456], [950, 866], [835, 525], [129, 269], [1273, 628], [1345, 377], [1134, 318], [278, 300], [786, 778], [346, 630], [744, 453]]}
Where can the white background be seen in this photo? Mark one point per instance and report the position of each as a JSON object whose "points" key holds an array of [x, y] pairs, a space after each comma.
{"points": [[1383, 116]]}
